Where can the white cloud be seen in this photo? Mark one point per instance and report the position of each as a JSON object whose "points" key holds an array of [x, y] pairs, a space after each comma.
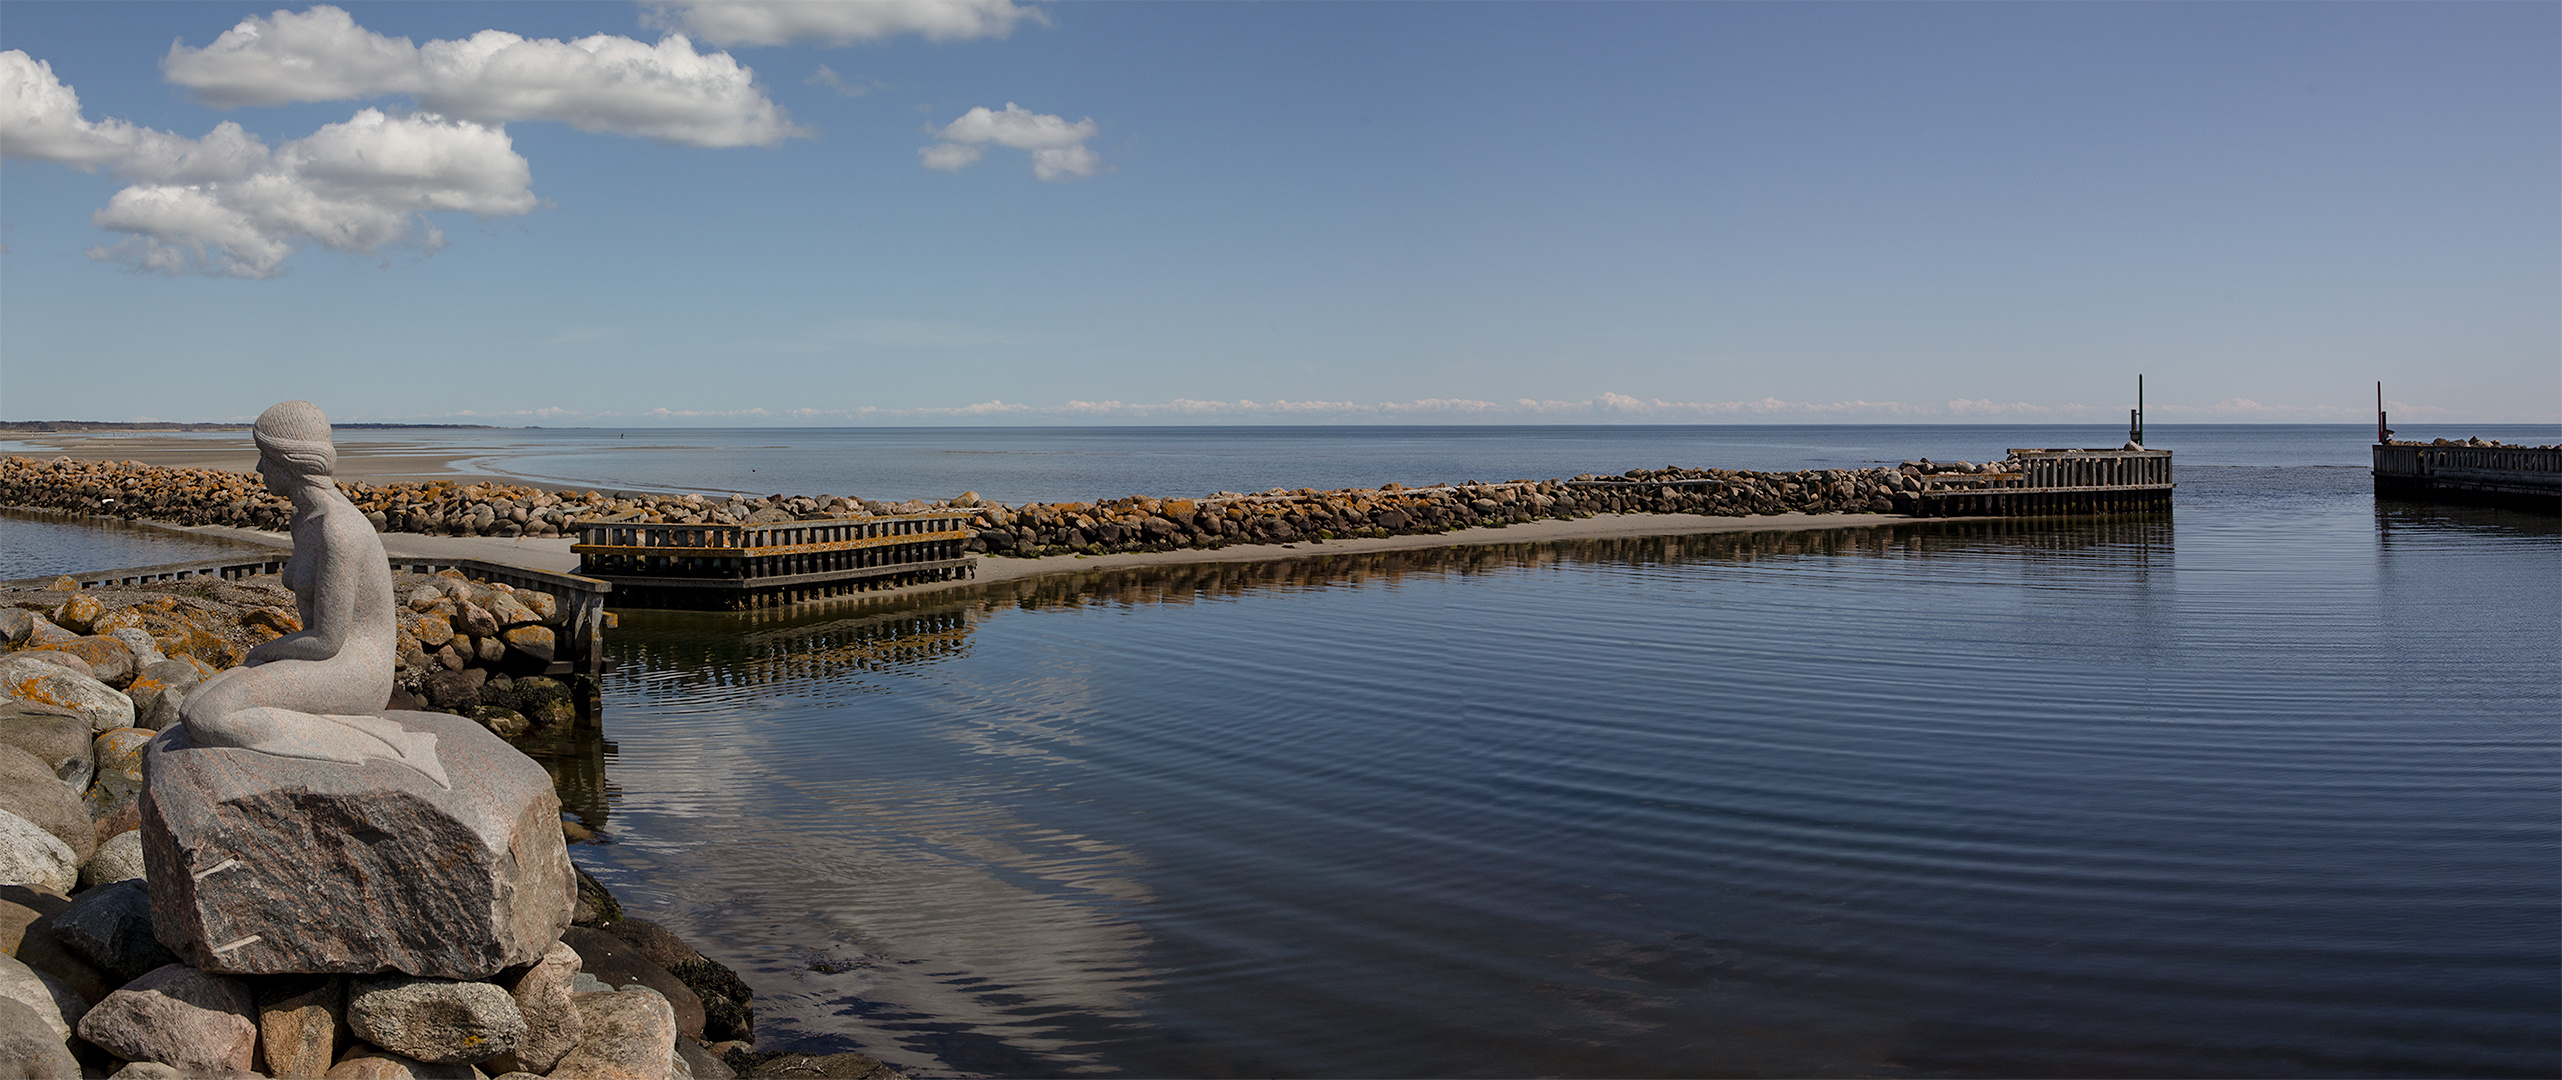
{"points": [[226, 204], [950, 156], [826, 76], [319, 55], [40, 121], [1057, 147], [601, 83], [360, 186], [840, 22]]}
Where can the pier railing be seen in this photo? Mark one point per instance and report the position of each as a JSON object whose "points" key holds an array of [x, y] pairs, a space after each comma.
{"points": [[662, 564]]}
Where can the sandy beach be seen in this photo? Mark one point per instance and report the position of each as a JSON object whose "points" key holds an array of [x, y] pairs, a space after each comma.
{"points": [[363, 455]]}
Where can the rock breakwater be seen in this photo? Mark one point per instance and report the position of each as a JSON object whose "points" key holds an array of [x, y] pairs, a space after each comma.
{"points": [[475, 648], [182, 496]]}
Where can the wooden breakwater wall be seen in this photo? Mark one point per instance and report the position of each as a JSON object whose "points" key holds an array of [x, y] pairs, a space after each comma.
{"points": [[2040, 483], [737, 567], [2520, 477]]}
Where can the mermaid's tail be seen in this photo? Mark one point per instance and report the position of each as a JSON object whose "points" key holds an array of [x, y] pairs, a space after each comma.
{"points": [[351, 740]]}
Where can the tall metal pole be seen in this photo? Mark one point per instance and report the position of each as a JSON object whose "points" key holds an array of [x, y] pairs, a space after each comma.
{"points": [[2382, 434], [2135, 416]]}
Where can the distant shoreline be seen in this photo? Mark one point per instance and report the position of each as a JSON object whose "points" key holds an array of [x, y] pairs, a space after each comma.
{"points": [[76, 426]]}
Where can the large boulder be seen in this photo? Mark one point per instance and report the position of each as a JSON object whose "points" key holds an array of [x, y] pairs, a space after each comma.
{"points": [[261, 864], [298, 1022], [24, 904], [29, 789], [111, 928], [40, 683], [42, 949], [438, 1021], [201, 1024], [110, 661], [31, 856], [28, 1046], [56, 736], [55, 1002], [552, 1027], [627, 1035]]}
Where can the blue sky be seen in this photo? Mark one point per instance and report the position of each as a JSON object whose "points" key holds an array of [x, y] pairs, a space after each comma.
{"points": [[1289, 212]]}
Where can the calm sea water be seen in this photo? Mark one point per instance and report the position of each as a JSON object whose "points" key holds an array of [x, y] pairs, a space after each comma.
{"points": [[2269, 787]]}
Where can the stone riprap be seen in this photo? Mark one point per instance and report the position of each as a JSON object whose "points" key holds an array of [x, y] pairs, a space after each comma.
{"points": [[1138, 523], [547, 1018], [474, 648]]}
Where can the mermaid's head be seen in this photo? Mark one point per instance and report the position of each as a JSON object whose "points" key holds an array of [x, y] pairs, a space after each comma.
{"points": [[295, 435]]}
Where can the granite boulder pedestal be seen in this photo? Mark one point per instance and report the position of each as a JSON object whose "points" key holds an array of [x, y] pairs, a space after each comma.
{"points": [[261, 864]]}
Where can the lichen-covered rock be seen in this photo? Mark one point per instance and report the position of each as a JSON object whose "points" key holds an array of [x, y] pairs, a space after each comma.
{"points": [[439, 1021], [61, 658], [118, 754], [79, 614], [158, 690], [110, 661], [196, 1022], [262, 864], [35, 681]]}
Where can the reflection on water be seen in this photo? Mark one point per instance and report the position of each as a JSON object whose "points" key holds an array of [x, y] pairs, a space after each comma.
{"points": [[575, 756], [2233, 794], [36, 543]]}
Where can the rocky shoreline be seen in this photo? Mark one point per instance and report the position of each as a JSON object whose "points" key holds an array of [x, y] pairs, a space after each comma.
{"points": [[201, 497], [87, 679]]}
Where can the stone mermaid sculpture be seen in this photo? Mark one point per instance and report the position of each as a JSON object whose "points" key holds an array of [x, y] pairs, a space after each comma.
{"points": [[318, 692]]}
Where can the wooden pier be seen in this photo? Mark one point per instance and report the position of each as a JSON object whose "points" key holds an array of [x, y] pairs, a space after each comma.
{"points": [[738, 567], [2520, 477], [2053, 482]]}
